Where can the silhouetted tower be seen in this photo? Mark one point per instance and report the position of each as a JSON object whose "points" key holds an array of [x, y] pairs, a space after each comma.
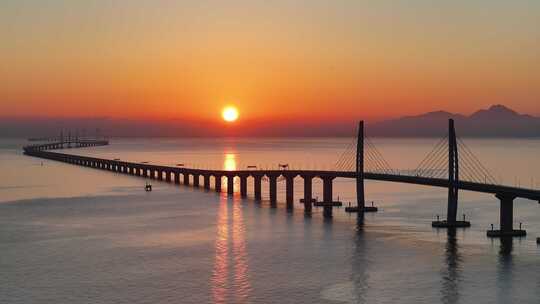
{"points": [[360, 166], [453, 173]]}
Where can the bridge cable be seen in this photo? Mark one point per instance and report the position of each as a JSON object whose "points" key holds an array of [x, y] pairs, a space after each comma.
{"points": [[439, 154], [372, 162], [432, 156], [376, 161], [483, 170], [435, 148], [377, 152], [344, 155]]}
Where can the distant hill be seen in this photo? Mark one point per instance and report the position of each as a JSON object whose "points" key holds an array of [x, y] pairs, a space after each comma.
{"points": [[497, 121]]}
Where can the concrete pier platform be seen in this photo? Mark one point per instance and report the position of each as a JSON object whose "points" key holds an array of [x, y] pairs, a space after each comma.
{"points": [[509, 233], [371, 208], [352, 209], [328, 204], [446, 224]]}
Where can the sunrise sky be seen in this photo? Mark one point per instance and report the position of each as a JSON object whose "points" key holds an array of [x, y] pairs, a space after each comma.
{"points": [[272, 59]]}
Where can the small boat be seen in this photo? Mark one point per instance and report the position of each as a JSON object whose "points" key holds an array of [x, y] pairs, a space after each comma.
{"points": [[148, 187]]}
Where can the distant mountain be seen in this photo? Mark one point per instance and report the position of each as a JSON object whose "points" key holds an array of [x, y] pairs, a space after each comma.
{"points": [[497, 121]]}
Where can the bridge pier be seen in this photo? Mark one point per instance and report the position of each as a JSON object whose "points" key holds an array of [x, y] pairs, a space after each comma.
{"points": [[308, 192], [257, 181], [186, 179], [218, 183], [196, 180], [243, 186], [506, 220], [176, 178], [327, 196], [273, 190], [206, 181], [230, 185], [289, 188], [168, 176]]}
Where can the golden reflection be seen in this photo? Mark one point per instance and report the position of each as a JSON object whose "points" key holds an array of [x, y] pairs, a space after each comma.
{"points": [[220, 273], [230, 277], [241, 275], [230, 162]]}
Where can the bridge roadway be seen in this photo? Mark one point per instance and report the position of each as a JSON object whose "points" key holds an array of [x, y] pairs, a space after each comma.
{"points": [[149, 170], [505, 194]]}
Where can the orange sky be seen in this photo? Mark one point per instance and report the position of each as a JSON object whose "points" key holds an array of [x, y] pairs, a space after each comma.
{"points": [[308, 59]]}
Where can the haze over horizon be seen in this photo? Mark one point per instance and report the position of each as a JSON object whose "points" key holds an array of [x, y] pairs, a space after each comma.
{"points": [[495, 121]]}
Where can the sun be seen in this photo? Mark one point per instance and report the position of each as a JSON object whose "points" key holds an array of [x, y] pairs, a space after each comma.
{"points": [[230, 113]]}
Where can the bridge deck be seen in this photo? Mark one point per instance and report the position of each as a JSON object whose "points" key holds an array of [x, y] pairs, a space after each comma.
{"points": [[417, 180]]}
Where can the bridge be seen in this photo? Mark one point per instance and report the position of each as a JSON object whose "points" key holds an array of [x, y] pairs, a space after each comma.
{"points": [[451, 164]]}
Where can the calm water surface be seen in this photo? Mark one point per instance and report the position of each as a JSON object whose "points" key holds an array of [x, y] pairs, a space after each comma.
{"points": [[78, 235]]}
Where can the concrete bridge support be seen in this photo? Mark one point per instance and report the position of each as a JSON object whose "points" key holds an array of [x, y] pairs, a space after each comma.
{"points": [[230, 185], [243, 186], [177, 178], [289, 188], [206, 181], [327, 189], [257, 187], [196, 180], [506, 220], [308, 193], [327, 196], [273, 190], [168, 176], [186, 179], [218, 183]]}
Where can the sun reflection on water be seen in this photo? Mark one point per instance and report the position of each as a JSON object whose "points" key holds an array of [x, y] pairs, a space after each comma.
{"points": [[230, 162], [230, 277], [220, 273]]}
